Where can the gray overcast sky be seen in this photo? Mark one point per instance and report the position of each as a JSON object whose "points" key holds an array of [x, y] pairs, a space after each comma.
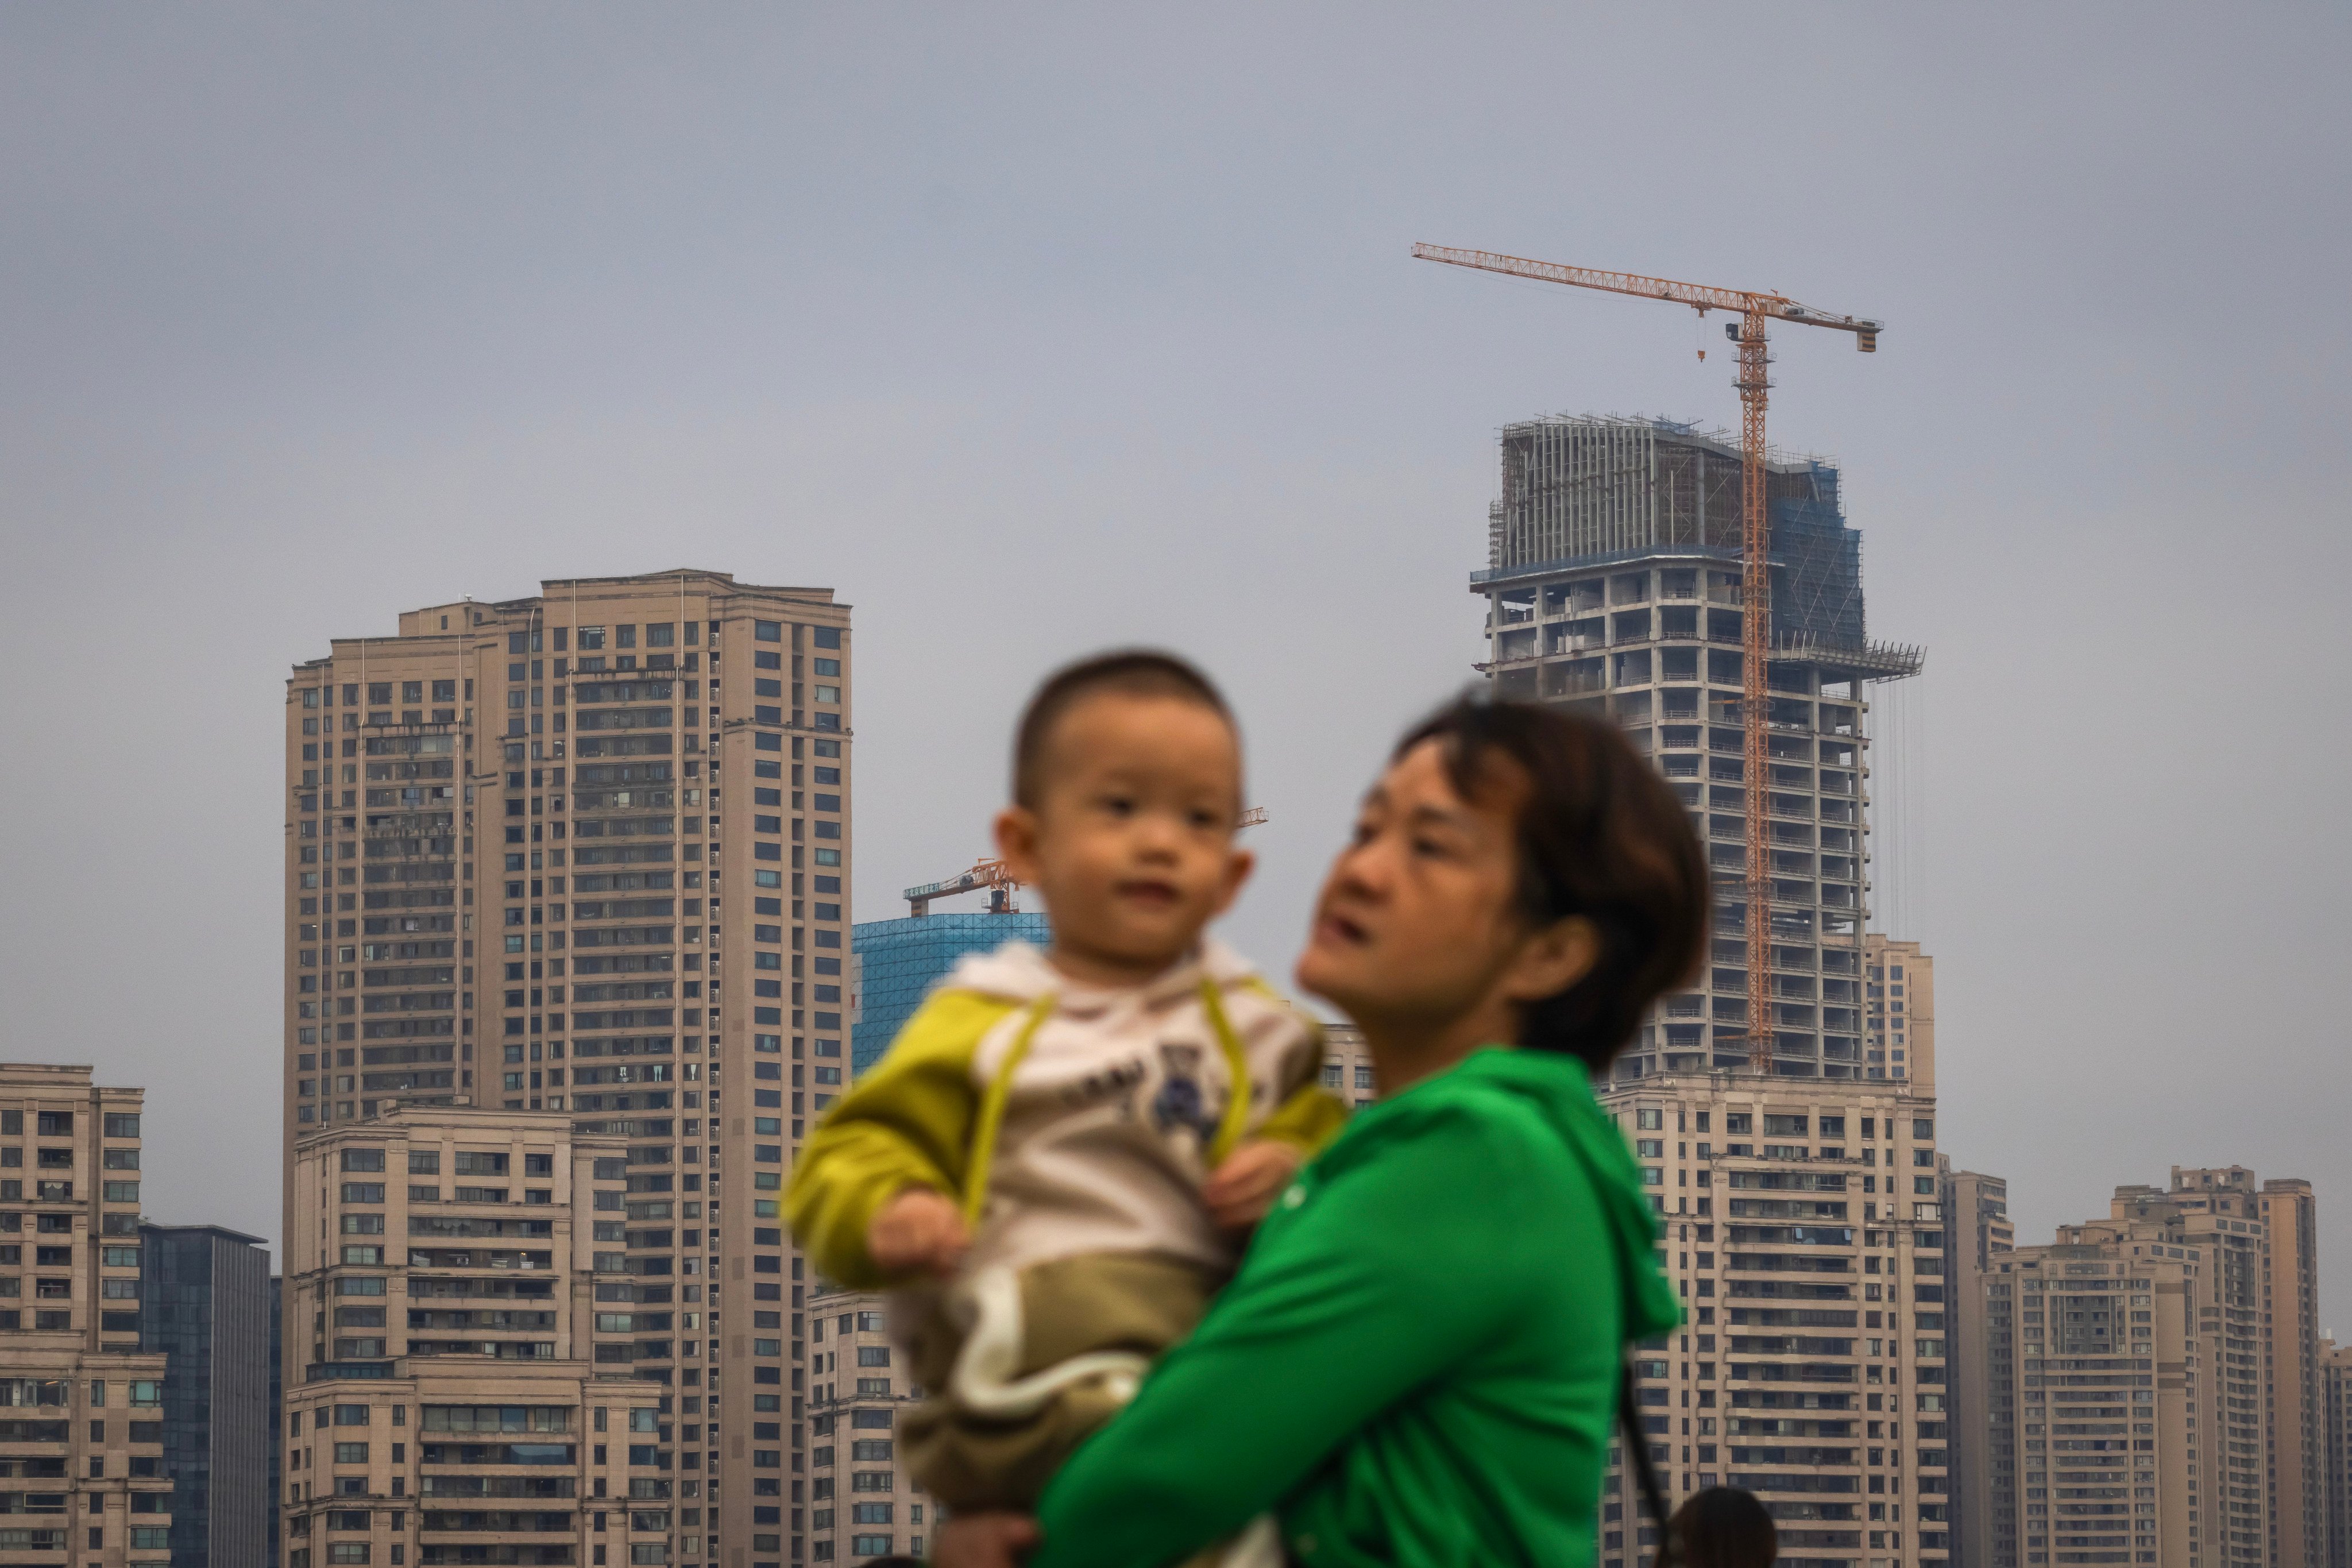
{"points": [[1033, 329]]}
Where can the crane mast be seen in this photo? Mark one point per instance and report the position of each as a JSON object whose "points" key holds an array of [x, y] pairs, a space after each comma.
{"points": [[1754, 384]]}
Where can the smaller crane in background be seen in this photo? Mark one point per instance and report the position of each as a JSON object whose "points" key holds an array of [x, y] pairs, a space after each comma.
{"points": [[1001, 883]]}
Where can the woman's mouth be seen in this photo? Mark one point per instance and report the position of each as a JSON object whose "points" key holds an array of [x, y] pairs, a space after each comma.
{"points": [[1340, 929]]}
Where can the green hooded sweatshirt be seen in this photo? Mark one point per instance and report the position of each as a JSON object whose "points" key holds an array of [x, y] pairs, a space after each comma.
{"points": [[1417, 1365]]}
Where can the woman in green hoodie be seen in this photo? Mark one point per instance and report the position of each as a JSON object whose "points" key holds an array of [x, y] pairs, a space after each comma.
{"points": [[1418, 1363]]}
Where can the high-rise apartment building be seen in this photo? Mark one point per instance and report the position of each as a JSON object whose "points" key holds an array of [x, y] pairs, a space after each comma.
{"points": [[2135, 1398], [1804, 1232], [2294, 1401], [1979, 1233], [2102, 1356], [1899, 1019], [1613, 585], [205, 1307], [588, 852], [465, 1317], [2335, 1475], [1804, 1209], [863, 1503], [81, 1405]]}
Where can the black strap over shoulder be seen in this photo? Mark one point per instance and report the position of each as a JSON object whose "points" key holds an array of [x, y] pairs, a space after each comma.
{"points": [[1646, 1474]]}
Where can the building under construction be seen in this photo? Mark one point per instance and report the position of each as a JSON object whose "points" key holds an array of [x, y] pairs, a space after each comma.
{"points": [[1614, 582]]}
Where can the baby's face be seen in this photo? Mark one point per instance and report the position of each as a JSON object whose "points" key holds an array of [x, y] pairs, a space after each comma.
{"points": [[1132, 841]]}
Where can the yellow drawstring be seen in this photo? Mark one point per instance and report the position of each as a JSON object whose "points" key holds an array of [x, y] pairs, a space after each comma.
{"points": [[991, 1112], [1237, 1104]]}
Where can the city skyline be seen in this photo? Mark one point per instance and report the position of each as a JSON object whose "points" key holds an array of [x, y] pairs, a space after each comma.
{"points": [[1034, 339]]}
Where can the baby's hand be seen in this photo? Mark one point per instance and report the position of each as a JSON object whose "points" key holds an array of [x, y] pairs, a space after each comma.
{"points": [[917, 1232], [1240, 1192]]}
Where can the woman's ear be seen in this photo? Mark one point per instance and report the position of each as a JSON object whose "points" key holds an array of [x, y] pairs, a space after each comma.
{"points": [[1552, 959]]}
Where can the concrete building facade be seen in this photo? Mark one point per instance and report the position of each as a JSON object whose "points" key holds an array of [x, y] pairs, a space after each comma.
{"points": [[461, 1385], [205, 1307], [81, 1405], [2137, 1408], [588, 852], [1614, 587], [2335, 1462], [1804, 1208], [1976, 1216], [1805, 1234], [1899, 1009], [2293, 1399]]}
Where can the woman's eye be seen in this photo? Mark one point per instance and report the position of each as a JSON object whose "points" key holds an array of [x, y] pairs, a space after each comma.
{"points": [[1118, 805]]}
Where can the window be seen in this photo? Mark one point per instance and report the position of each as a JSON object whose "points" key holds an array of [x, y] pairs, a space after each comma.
{"points": [[54, 1124], [362, 1159], [351, 1453], [121, 1124], [1648, 1120], [768, 631], [825, 637], [424, 1163]]}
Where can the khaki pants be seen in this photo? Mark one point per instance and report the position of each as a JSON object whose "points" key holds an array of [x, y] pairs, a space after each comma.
{"points": [[1001, 1456]]}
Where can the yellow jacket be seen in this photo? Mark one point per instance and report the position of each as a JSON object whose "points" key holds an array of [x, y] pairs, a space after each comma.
{"points": [[1066, 1120]]}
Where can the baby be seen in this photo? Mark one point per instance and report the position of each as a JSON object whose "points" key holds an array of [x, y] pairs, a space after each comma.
{"points": [[1060, 1156]]}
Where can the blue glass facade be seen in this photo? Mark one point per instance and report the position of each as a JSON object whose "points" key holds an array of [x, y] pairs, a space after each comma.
{"points": [[205, 1302], [899, 961]]}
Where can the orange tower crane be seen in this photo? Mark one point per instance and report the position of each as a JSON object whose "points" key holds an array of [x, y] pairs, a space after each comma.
{"points": [[1756, 592]]}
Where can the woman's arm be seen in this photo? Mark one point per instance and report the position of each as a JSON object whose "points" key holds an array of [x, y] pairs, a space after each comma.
{"points": [[1396, 1269]]}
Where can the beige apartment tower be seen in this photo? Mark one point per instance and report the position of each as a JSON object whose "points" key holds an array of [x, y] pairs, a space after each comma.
{"points": [[458, 1255], [583, 855], [1805, 1234], [2336, 1472], [81, 1417], [2141, 1408], [1976, 1216]]}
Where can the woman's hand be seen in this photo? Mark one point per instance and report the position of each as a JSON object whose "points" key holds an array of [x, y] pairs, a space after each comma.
{"points": [[984, 1540], [1239, 1193]]}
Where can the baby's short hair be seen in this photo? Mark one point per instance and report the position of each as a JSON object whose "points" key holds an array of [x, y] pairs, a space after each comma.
{"points": [[1128, 672]]}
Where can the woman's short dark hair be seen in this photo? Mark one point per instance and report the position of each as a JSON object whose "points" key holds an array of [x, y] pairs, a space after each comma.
{"points": [[1722, 1527], [1600, 835]]}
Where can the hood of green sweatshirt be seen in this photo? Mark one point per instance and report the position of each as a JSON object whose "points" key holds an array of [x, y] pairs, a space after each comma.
{"points": [[1560, 1087]]}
